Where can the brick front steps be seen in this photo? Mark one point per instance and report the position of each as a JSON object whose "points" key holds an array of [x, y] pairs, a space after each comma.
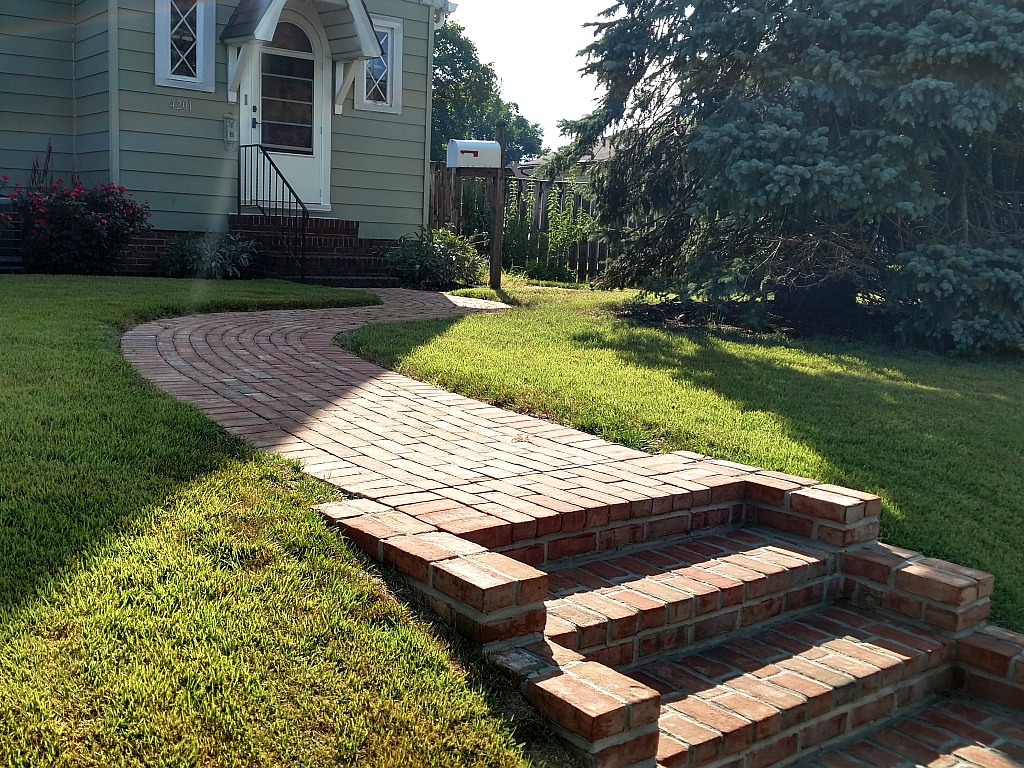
{"points": [[792, 689], [951, 732], [651, 599], [687, 612], [335, 254]]}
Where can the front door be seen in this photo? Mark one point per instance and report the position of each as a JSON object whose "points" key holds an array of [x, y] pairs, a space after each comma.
{"points": [[286, 107]]}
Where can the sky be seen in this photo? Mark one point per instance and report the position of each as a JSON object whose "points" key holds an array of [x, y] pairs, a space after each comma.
{"points": [[532, 45]]}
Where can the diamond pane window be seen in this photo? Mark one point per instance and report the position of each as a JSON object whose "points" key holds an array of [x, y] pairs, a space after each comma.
{"points": [[184, 38], [379, 86], [184, 44], [378, 71]]}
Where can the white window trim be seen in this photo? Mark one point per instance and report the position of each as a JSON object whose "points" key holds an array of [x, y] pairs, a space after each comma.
{"points": [[395, 66], [206, 34]]}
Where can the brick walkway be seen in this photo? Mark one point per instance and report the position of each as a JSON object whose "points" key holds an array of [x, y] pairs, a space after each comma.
{"points": [[443, 477], [278, 379]]}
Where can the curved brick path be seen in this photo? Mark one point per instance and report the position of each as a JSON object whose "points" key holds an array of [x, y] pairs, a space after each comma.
{"points": [[278, 379]]}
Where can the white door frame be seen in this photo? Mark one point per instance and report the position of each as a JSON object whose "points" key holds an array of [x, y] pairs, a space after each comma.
{"points": [[250, 109]]}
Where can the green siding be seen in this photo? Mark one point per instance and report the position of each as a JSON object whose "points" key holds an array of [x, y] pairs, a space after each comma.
{"points": [[36, 43], [378, 159], [174, 158], [92, 85]]}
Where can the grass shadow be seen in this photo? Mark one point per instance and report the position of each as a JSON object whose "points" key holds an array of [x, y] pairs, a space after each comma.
{"points": [[935, 437], [87, 445]]}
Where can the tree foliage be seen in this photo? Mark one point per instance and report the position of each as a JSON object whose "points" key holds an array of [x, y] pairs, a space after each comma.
{"points": [[775, 146], [467, 101]]}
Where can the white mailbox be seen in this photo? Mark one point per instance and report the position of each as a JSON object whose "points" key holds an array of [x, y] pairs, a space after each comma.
{"points": [[474, 154]]}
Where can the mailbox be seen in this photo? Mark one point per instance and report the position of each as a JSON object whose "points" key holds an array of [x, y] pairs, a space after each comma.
{"points": [[474, 154]]}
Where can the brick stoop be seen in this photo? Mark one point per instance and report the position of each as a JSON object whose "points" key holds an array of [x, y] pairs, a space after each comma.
{"points": [[335, 254], [688, 612], [766, 698]]}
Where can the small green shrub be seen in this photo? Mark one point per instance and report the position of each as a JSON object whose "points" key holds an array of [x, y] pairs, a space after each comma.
{"points": [[963, 298], [210, 256], [72, 229], [436, 259]]}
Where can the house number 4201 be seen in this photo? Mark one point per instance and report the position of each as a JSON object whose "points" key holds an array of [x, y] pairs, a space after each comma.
{"points": [[181, 105]]}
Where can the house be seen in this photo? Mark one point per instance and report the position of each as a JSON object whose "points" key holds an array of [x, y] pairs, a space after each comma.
{"points": [[602, 152], [217, 110]]}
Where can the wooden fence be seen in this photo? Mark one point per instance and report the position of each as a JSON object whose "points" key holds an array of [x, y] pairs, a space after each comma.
{"points": [[463, 204]]}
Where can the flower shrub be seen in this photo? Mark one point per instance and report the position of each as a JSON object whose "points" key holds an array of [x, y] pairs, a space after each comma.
{"points": [[72, 229], [209, 256], [435, 259]]}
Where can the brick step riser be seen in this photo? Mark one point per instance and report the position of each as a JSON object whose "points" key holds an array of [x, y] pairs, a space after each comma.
{"points": [[779, 696], [292, 269], [837, 726], [314, 242], [631, 605], [623, 649], [321, 266], [319, 225], [971, 734], [358, 281], [367, 281], [589, 533]]}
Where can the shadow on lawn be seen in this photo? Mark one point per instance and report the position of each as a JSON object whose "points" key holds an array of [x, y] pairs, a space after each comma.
{"points": [[82, 467], [935, 437]]}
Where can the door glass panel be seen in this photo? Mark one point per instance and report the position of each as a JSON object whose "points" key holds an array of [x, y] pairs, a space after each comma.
{"points": [[287, 87], [290, 37]]}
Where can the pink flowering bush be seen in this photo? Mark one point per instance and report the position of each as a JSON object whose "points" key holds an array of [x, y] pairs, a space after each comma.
{"points": [[72, 229]]}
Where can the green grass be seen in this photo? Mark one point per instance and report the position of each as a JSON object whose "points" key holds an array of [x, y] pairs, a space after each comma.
{"points": [[168, 598], [939, 439]]}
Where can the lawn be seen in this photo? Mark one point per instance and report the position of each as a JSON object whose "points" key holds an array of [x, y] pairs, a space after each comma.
{"points": [[167, 597], [938, 438]]}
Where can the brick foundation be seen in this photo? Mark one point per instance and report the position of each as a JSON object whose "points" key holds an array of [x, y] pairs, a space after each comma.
{"points": [[334, 252], [140, 258]]}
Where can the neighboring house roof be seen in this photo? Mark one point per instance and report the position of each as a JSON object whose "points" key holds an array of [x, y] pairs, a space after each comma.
{"points": [[257, 19], [603, 151]]}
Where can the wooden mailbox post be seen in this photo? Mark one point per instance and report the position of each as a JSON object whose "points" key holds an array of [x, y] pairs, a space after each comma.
{"points": [[465, 157]]}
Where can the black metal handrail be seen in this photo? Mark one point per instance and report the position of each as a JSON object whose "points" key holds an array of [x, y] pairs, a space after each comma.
{"points": [[262, 185]]}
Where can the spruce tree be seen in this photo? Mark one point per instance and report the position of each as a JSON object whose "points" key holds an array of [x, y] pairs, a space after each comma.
{"points": [[772, 148]]}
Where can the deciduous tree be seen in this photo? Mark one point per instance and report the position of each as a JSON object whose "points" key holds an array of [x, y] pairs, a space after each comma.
{"points": [[467, 101]]}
